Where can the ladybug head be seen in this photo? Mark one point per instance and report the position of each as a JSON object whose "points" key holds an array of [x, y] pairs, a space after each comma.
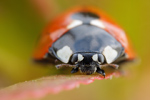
{"points": [[87, 63]]}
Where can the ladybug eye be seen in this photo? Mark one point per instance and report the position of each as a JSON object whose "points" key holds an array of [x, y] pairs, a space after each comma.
{"points": [[77, 58], [74, 58], [98, 58]]}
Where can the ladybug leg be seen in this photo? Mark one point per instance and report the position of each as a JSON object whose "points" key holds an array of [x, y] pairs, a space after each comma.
{"points": [[115, 66], [74, 70], [65, 65], [100, 71]]}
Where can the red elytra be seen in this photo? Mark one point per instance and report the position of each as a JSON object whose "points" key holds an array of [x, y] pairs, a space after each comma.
{"points": [[58, 27]]}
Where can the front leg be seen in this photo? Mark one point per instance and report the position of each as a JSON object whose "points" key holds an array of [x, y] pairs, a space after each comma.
{"points": [[115, 66], [100, 71], [65, 65], [74, 70]]}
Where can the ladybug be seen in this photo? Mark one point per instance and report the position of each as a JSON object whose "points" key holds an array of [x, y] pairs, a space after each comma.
{"points": [[86, 40]]}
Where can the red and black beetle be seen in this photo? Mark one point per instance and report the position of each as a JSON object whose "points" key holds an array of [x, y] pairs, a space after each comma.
{"points": [[84, 39]]}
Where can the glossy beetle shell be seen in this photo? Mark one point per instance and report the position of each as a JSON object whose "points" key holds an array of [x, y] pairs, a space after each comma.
{"points": [[58, 27]]}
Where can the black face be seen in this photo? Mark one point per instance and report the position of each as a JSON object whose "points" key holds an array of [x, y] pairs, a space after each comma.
{"points": [[88, 68], [87, 63]]}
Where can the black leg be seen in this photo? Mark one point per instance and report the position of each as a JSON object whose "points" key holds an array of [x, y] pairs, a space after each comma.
{"points": [[74, 70], [100, 71]]}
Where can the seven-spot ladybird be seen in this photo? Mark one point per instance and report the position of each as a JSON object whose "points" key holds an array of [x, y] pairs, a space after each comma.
{"points": [[84, 39]]}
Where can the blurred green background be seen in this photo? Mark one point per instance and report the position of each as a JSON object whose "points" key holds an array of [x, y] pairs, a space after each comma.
{"points": [[21, 22]]}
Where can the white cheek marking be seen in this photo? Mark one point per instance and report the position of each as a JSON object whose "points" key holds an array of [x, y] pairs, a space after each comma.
{"points": [[110, 54], [95, 57], [64, 54], [80, 57], [97, 23], [74, 23]]}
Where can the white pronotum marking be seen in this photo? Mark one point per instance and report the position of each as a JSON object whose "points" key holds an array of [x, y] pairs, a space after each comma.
{"points": [[110, 54], [95, 57], [64, 54], [74, 23], [80, 57], [97, 23]]}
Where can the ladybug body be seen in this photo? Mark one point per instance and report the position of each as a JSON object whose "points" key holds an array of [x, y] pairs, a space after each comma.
{"points": [[84, 39]]}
